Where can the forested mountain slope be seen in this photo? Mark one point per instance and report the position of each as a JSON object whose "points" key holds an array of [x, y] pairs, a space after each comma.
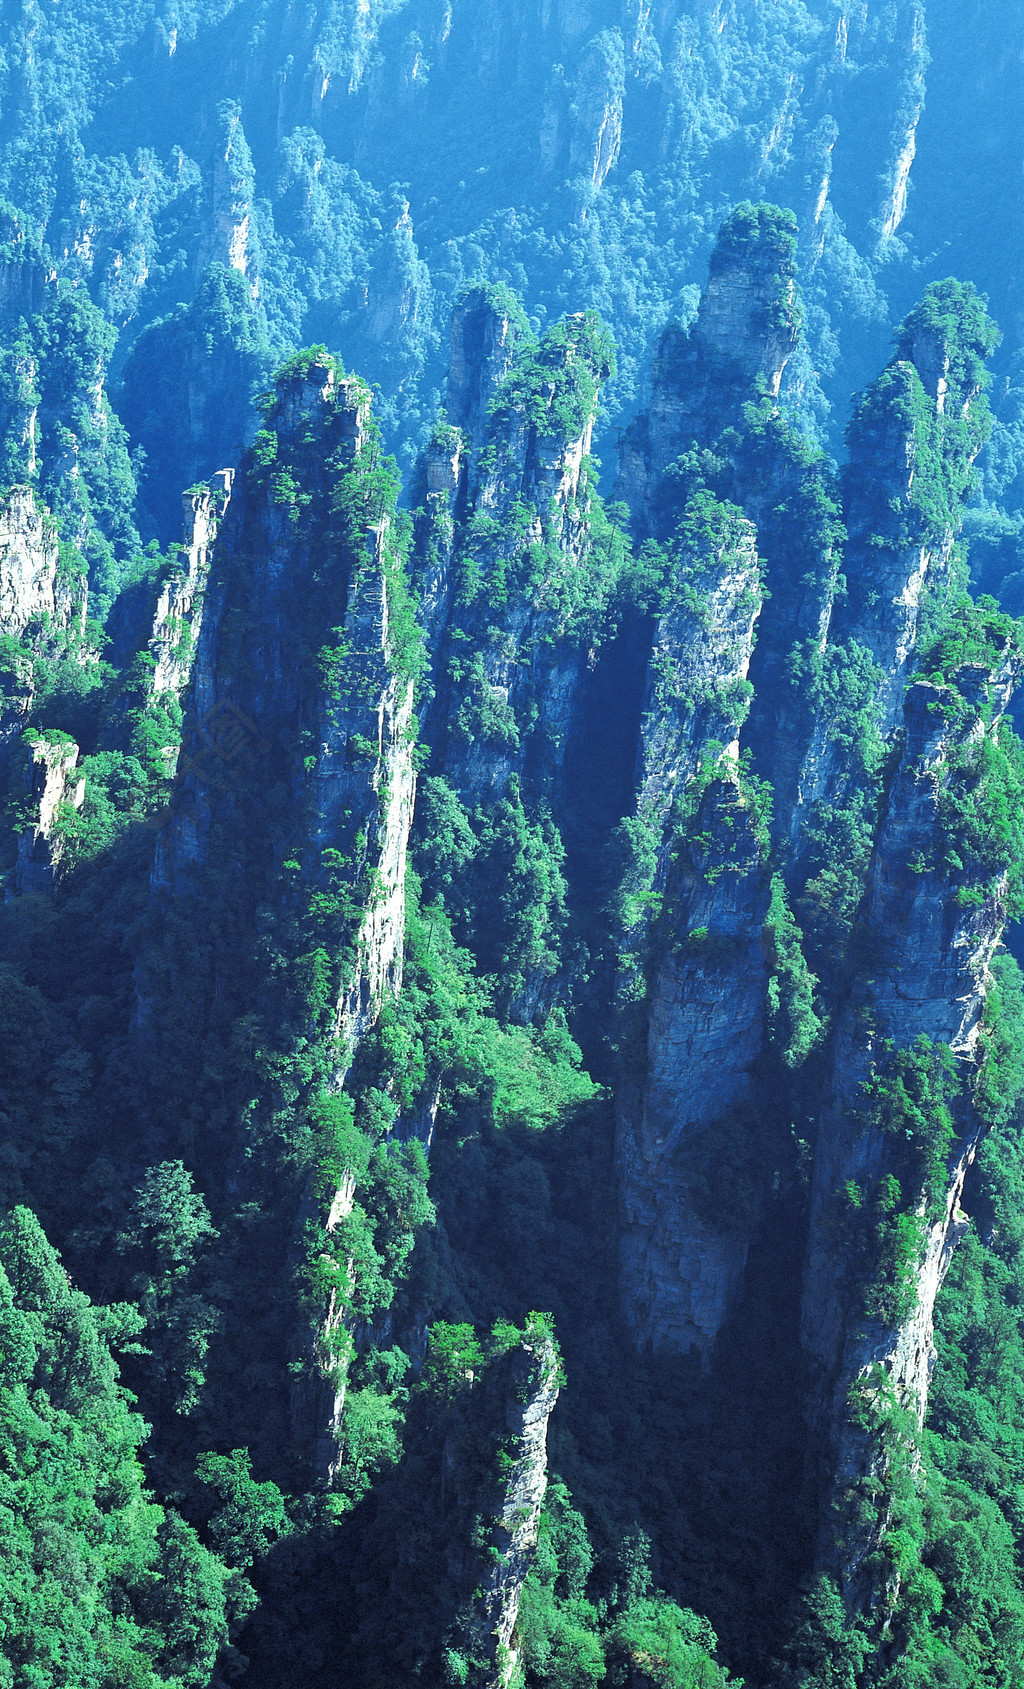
{"points": [[511, 1104]]}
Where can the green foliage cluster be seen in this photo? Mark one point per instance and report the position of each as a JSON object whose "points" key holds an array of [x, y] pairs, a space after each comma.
{"points": [[166, 1228], [793, 1022], [977, 634], [910, 1100], [979, 805], [101, 1586], [555, 383], [501, 874], [518, 548], [637, 1637]]}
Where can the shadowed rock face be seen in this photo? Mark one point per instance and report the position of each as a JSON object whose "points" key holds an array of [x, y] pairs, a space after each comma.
{"points": [[178, 617], [520, 484], [53, 785], [682, 1266], [297, 752], [484, 338], [931, 947], [702, 1019], [258, 704]]}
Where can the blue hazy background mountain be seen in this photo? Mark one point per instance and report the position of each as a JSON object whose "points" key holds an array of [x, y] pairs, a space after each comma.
{"points": [[227, 182]]}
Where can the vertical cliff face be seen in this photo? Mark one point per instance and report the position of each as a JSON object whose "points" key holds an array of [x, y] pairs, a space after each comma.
{"points": [[437, 526], [871, 786], [697, 975], [294, 801], [694, 906], [487, 328], [53, 788], [713, 420], [498, 1509], [515, 567], [521, 546], [229, 233], [32, 588], [280, 720], [903, 1116], [703, 642], [596, 110], [378, 709], [746, 329], [178, 618], [685, 1234], [43, 599], [913, 440]]}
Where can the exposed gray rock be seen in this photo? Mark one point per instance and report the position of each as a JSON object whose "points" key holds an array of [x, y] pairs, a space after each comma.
{"points": [[703, 1019], [178, 618], [527, 1380], [930, 952], [53, 787], [744, 335], [527, 493], [29, 590]]}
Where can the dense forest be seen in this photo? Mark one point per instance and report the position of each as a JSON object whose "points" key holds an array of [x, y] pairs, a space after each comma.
{"points": [[512, 842]]}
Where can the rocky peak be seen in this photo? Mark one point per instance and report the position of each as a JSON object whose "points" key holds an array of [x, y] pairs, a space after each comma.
{"points": [[306, 387], [229, 236], [542, 422], [54, 787], [177, 619], [296, 779], [510, 1410], [912, 442], [746, 329], [521, 513], [283, 576], [596, 109], [487, 328], [748, 310], [437, 528]]}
